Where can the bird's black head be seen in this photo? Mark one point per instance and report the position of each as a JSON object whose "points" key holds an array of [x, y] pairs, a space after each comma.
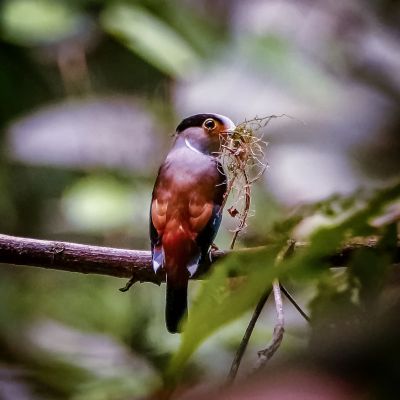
{"points": [[198, 120], [204, 132]]}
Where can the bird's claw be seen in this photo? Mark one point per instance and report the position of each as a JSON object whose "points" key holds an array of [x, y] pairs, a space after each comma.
{"points": [[128, 285], [213, 248]]}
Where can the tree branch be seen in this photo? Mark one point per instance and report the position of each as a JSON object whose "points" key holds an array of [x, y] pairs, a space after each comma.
{"points": [[77, 258], [121, 263]]}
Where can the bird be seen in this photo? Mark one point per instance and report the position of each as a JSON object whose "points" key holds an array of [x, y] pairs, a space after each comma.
{"points": [[186, 207]]}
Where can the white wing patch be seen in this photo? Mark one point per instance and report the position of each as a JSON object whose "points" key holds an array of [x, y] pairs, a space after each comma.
{"points": [[158, 259], [193, 265]]}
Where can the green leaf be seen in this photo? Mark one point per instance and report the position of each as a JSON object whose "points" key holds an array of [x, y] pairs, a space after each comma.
{"points": [[369, 267], [218, 303], [150, 38], [32, 21], [98, 202], [335, 293]]}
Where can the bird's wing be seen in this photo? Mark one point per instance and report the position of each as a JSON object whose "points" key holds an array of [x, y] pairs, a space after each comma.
{"points": [[158, 218], [207, 235]]}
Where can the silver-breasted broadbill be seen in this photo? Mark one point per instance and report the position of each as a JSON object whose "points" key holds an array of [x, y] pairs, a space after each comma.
{"points": [[186, 206]]}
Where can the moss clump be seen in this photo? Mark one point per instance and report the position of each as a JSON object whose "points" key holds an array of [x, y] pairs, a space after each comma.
{"points": [[243, 158]]}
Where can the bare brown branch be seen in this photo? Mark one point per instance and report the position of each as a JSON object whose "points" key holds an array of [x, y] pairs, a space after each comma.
{"points": [[85, 259], [121, 263], [73, 257]]}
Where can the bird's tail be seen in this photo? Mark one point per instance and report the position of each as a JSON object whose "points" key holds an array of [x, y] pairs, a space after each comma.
{"points": [[176, 306]]}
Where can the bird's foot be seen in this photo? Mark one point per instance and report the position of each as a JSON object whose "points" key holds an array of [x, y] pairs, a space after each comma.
{"points": [[213, 248], [128, 285]]}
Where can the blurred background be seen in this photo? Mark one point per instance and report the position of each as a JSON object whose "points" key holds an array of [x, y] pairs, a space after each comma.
{"points": [[91, 92]]}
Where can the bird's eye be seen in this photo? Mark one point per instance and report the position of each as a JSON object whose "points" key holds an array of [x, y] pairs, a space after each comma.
{"points": [[209, 124]]}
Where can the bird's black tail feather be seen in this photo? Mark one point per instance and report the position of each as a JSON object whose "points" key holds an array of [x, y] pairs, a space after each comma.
{"points": [[176, 306]]}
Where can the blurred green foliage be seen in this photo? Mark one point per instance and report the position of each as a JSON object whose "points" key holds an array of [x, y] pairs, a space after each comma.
{"points": [[150, 38], [218, 304], [48, 20]]}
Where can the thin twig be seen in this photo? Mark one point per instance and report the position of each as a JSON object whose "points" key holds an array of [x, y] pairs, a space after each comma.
{"points": [[245, 340], [295, 304], [285, 252], [279, 329]]}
